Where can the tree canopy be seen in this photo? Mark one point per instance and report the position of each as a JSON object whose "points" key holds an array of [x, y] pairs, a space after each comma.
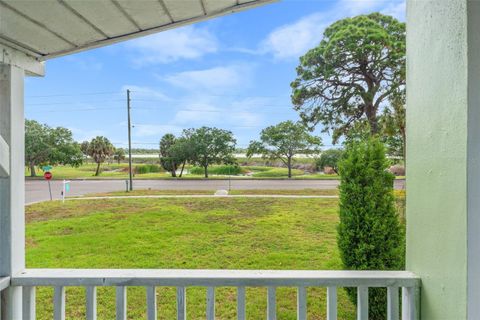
{"points": [[351, 75], [283, 141], [394, 126], [330, 158], [47, 145], [100, 149], [210, 146], [119, 154], [174, 152]]}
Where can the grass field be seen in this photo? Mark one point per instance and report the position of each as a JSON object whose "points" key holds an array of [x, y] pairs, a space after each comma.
{"points": [[144, 192], [211, 233], [120, 171]]}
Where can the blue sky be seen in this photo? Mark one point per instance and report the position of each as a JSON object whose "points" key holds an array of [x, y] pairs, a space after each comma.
{"points": [[233, 72]]}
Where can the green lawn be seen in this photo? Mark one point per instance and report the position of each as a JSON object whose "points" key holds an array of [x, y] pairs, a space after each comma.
{"points": [[211, 233], [146, 192], [120, 171]]}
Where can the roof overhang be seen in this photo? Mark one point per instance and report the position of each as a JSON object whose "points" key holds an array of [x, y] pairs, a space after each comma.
{"points": [[45, 29]]}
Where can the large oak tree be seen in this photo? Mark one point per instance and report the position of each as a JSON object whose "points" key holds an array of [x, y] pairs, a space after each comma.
{"points": [[283, 141], [210, 146], [174, 153], [351, 75], [46, 145]]}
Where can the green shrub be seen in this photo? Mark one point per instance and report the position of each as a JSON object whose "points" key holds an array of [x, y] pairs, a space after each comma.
{"points": [[329, 158], [370, 236], [220, 170], [147, 168], [257, 168], [277, 173]]}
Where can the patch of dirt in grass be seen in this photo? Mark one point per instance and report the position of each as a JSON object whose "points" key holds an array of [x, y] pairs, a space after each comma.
{"points": [[70, 209], [64, 231], [31, 243]]}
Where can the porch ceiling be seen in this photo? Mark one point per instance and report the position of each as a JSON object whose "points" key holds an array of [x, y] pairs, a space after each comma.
{"points": [[49, 28]]}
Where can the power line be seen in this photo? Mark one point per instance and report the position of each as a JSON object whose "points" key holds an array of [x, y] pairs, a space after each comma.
{"points": [[70, 110], [69, 103], [120, 93], [74, 94], [149, 107], [174, 109]]}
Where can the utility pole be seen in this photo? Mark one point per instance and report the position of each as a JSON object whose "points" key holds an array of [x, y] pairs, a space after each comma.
{"points": [[129, 142]]}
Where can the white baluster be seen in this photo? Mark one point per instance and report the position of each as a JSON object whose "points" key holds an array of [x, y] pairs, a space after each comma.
{"points": [[29, 308], [59, 303], [409, 311], [151, 303], [362, 303], [302, 303], [211, 303], [392, 303], [121, 297], [181, 304], [332, 303], [91, 302], [271, 304], [241, 311]]}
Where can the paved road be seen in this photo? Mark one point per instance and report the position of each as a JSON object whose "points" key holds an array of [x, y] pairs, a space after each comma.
{"points": [[37, 190]]}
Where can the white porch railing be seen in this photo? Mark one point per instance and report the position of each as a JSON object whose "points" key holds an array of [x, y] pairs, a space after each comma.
{"points": [[92, 278]]}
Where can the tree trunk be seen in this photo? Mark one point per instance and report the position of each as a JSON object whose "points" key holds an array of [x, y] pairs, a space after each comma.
{"points": [[289, 167], [183, 167], [98, 169], [404, 149], [370, 112], [206, 171], [32, 170], [174, 170]]}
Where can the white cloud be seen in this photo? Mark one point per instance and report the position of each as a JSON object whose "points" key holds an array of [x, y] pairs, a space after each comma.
{"points": [[146, 92], [197, 113], [86, 135], [189, 42], [355, 7], [241, 112], [397, 10], [290, 41], [293, 40], [148, 130], [214, 80], [85, 63]]}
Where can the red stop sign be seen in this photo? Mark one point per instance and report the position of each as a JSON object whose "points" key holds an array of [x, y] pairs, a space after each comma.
{"points": [[48, 175]]}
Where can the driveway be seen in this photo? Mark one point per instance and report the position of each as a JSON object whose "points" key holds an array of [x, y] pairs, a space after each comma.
{"points": [[37, 190]]}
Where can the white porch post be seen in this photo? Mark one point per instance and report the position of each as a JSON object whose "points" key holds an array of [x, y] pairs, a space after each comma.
{"points": [[443, 155], [12, 185]]}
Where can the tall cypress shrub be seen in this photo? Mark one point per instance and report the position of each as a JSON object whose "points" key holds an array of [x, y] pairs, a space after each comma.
{"points": [[370, 236]]}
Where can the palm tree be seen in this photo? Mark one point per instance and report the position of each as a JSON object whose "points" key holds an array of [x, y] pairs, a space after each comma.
{"points": [[100, 148], [119, 155]]}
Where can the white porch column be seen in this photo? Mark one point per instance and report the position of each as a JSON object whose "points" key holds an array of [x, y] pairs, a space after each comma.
{"points": [[443, 155], [12, 185]]}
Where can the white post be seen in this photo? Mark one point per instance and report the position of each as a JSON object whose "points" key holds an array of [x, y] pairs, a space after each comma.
{"points": [[443, 156], [12, 187]]}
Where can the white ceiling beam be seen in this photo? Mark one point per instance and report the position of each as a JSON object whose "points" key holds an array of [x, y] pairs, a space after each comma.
{"points": [[126, 15], [14, 57], [4, 159], [165, 9]]}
